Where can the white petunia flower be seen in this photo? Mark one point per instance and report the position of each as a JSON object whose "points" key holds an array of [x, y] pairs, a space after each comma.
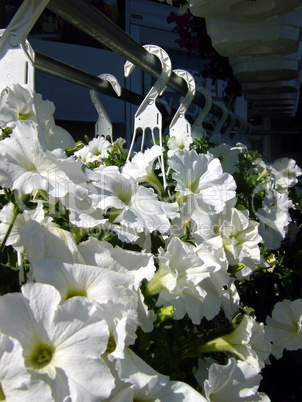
{"points": [[25, 166], [179, 142], [125, 233], [133, 265], [265, 174], [6, 216], [130, 204], [284, 329], [188, 279], [137, 265], [228, 156], [96, 283], [112, 291], [45, 242], [200, 179], [241, 240], [18, 103], [52, 136], [140, 168], [261, 168], [230, 300], [259, 343], [212, 254], [96, 149], [42, 243], [280, 175], [274, 218], [15, 382], [236, 381], [239, 342], [275, 199], [137, 381], [285, 172], [271, 228], [62, 344], [22, 160], [83, 213]]}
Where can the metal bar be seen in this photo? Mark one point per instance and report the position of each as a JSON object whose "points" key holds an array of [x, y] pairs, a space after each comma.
{"points": [[49, 65], [88, 19]]}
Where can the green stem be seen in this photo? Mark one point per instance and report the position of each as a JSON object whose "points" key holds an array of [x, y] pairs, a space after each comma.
{"points": [[6, 193], [16, 212]]}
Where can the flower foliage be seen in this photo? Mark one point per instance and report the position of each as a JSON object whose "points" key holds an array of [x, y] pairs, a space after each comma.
{"points": [[116, 286]]}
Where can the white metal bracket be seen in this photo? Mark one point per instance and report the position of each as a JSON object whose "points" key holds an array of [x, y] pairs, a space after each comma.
{"points": [[103, 125], [16, 54]]}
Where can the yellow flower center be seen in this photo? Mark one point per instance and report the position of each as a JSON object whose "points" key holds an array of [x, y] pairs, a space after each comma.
{"points": [[111, 346], [75, 292], [25, 116], [41, 356]]}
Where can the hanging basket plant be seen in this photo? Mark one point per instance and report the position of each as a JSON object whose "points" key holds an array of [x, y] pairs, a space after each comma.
{"points": [[242, 10], [194, 38]]}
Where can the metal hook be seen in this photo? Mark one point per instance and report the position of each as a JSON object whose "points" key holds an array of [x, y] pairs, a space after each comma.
{"points": [[148, 116], [179, 123], [216, 135], [16, 54], [103, 126], [197, 128]]}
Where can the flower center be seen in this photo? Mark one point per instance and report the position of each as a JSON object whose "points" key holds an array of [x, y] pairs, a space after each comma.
{"points": [[25, 116], [2, 396], [75, 292], [111, 345], [41, 356], [124, 196]]}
